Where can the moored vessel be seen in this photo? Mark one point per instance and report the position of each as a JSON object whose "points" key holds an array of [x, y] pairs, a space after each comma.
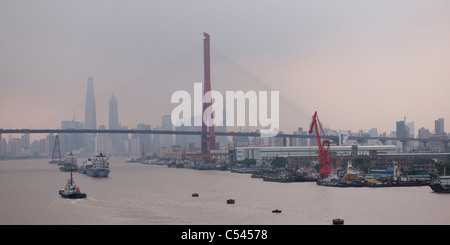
{"points": [[99, 167], [441, 184]]}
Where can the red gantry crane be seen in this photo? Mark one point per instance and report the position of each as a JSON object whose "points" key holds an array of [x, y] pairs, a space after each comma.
{"points": [[324, 147]]}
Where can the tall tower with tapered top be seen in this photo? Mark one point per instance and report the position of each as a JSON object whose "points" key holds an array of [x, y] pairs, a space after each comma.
{"points": [[211, 138]]}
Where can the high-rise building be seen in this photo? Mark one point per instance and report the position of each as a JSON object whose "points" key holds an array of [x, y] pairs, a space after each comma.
{"points": [[143, 140], [114, 123], [402, 131], [410, 126], [373, 132], [166, 124], [70, 142], [439, 126], [90, 120], [102, 143], [156, 140], [423, 133], [180, 139], [113, 113]]}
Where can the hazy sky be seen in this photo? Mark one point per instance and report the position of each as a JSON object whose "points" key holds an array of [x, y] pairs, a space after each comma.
{"points": [[360, 64]]}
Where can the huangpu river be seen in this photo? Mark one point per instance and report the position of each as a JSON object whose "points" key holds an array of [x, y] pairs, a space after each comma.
{"points": [[137, 194]]}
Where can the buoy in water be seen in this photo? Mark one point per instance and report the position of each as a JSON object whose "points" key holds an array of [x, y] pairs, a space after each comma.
{"points": [[338, 221]]}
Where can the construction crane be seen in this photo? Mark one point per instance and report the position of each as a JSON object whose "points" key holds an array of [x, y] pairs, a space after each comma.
{"points": [[324, 147]]}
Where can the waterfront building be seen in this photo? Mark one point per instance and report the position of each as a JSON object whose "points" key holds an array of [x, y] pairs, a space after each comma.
{"points": [[382, 172], [422, 162], [264, 155]]}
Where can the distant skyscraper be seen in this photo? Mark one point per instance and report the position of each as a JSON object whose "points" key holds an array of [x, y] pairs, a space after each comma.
{"points": [[113, 113], [402, 131], [410, 126], [143, 139], [114, 123], [70, 142], [180, 139], [166, 124], [90, 120], [439, 126]]}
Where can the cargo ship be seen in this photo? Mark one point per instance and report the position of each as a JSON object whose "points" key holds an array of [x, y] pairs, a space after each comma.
{"points": [[69, 163], [99, 167], [84, 166], [441, 184]]}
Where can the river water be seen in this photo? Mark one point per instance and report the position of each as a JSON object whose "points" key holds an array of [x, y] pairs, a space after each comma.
{"points": [[157, 195]]}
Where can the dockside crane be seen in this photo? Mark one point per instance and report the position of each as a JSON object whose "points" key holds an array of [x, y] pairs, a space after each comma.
{"points": [[324, 147]]}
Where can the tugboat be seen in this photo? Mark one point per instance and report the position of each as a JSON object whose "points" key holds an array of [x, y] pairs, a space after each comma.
{"points": [[99, 167], [71, 190], [69, 164]]}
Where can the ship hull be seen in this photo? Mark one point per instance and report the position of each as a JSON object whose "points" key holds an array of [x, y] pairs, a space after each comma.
{"points": [[72, 195], [97, 173], [439, 188], [68, 169]]}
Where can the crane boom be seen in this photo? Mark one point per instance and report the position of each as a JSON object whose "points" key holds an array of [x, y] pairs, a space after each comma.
{"points": [[324, 156]]}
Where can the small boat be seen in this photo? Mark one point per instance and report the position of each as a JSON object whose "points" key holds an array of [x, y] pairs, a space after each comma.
{"points": [[230, 201], [338, 221], [195, 194], [71, 190], [276, 211]]}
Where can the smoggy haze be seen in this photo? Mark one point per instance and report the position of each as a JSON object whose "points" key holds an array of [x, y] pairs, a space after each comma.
{"points": [[360, 64]]}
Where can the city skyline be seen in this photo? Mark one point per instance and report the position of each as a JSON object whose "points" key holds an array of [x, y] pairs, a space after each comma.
{"points": [[164, 122], [360, 66]]}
